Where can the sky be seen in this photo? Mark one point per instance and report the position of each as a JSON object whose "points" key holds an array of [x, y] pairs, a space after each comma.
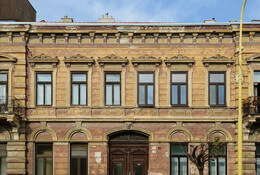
{"points": [[180, 11]]}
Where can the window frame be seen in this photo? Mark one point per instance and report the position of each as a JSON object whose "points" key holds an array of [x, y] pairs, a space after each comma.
{"points": [[217, 85], [217, 160], [185, 144], [257, 144], [39, 156], [146, 84], [44, 83], [78, 157], [71, 83], [112, 83], [5, 83], [178, 85]]}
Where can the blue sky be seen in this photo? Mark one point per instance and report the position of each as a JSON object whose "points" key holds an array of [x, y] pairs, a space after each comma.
{"points": [[185, 11]]}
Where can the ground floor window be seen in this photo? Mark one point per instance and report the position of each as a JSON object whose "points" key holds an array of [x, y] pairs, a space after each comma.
{"points": [[218, 164], [257, 156], [78, 159], [44, 159], [179, 160], [3, 156]]}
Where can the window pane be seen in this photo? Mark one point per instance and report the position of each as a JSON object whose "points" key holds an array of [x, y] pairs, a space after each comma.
{"points": [[83, 166], [74, 166], [213, 168], [3, 98], [79, 77], [3, 77], [112, 77], [47, 94], [216, 78], [45, 150], [183, 94], [222, 166], [178, 149], [3, 150], [258, 165], [40, 94], [221, 94], [83, 94], [118, 169], [174, 166], [183, 166], [43, 77], [257, 149], [178, 78], [3, 166], [79, 150], [174, 94], [212, 95], [75, 94], [150, 94], [108, 94], [116, 94], [141, 95], [146, 78], [40, 166], [49, 167], [138, 169], [257, 77]]}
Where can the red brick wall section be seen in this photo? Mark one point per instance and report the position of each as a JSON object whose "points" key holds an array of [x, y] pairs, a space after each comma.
{"points": [[61, 158], [98, 158], [159, 162]]}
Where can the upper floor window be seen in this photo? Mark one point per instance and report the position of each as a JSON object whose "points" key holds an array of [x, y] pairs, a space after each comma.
{"points": [[217, 165], [44, 160], [179, 89], [79, 88], [217, 88], [79, 159], [44, 88], [179, 160], [146, 89], [3, 88], [3, 155], [112, 89]]}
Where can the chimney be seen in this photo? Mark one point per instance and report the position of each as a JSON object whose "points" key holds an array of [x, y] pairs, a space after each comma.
{"points": [[255, 20], [66, 19], [208, 21], [106, 18], [232, 21]]}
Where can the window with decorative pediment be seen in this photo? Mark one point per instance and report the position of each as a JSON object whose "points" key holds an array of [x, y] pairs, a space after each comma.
{"points": [[79, 88], [44, 159], [44, 88], [112, 88], [3, 90], [146, 90]]}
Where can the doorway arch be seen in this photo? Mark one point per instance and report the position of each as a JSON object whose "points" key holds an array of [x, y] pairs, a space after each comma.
{"points": [[128, 153]]}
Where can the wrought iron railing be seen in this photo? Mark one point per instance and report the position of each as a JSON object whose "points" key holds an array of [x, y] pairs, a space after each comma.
{"points": [[11, 105], [251, 105]]}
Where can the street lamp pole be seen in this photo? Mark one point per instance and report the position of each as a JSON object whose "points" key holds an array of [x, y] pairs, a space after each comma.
{"points": [[240, 75]]}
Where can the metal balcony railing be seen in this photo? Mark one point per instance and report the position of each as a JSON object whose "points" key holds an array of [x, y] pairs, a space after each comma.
{"points": [[11, 105], [251, 105]]}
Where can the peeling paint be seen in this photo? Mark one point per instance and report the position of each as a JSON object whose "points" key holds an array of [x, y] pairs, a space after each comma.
{"points": [[97, 156]]}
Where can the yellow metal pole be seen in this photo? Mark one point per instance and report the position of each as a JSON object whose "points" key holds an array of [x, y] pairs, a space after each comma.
{"points": [[240, 120]]}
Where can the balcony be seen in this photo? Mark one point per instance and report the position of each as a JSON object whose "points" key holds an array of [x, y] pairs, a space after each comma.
{"points": [[11, 106], [251, 105]]}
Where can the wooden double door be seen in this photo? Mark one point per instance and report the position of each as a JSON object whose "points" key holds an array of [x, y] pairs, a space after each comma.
{"points": [[128, 157]]}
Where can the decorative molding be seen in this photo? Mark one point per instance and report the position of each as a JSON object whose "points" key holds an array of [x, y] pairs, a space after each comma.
{"points": [[42, 58], [218, 59], [7, 58], [253, 58], [146, 59], [179, 59], [112, 59], [76, 59]]}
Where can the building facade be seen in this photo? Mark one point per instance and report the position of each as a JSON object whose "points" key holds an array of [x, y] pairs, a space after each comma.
{"points": [[125, 98]]}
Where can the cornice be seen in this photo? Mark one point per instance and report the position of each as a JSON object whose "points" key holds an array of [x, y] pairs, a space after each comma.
{"points": [[253, 58], [112, 59], [144, 59]]}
